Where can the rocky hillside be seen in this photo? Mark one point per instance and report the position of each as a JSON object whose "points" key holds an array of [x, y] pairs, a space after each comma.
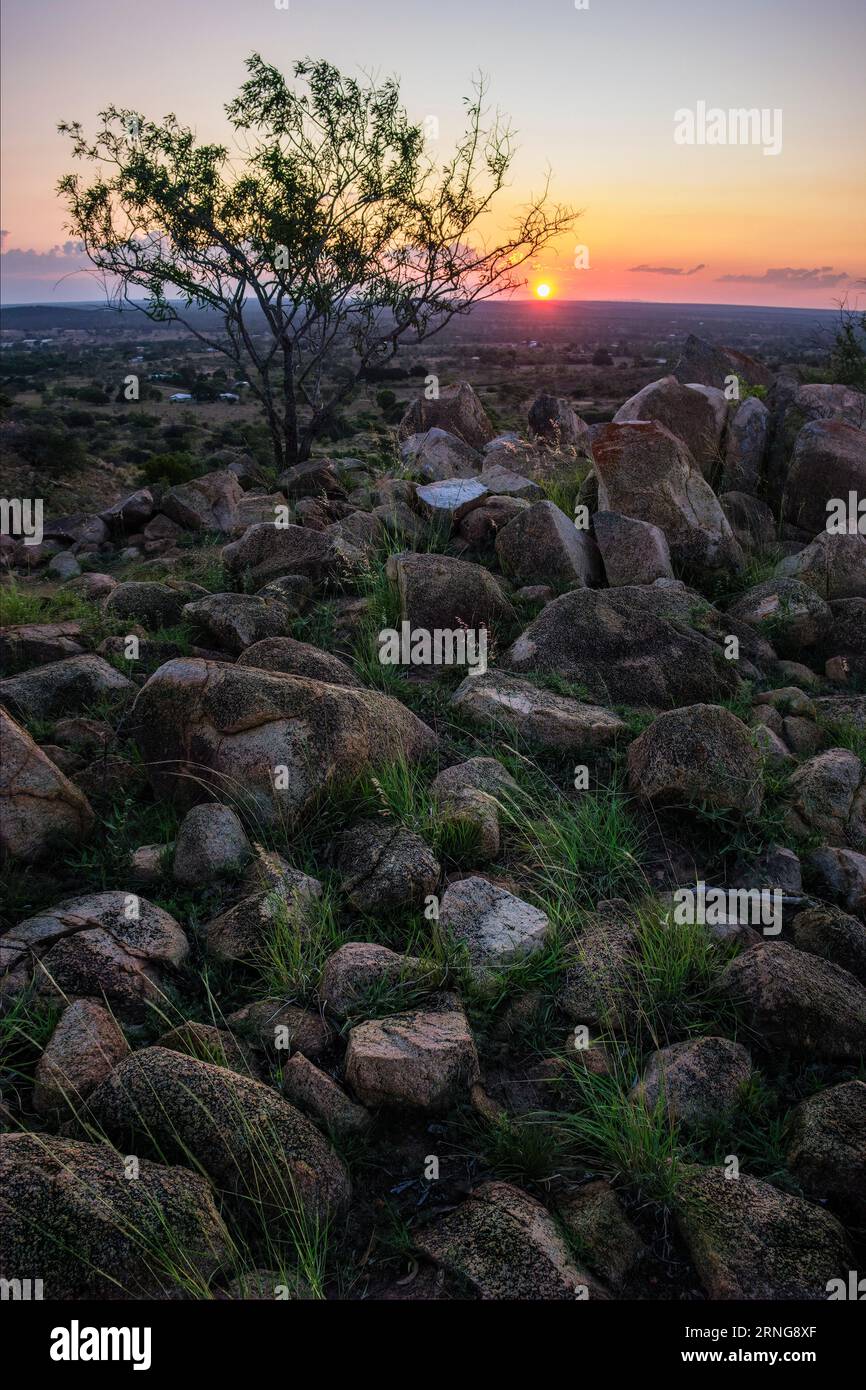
{"points": [[448, 883]]}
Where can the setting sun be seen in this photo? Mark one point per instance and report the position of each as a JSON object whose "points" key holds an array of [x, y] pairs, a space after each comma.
{"points": [[543, 291]]}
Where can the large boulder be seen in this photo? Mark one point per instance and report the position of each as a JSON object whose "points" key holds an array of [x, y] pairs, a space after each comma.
{"points": [[495, 927], [237, 1130], [828, 798], [827, 931], [266, 552], [62, 686], [233, 622], [557, 722], [151, 605], [542, 545], [746, 446], [209, 503], [116, 946], [457, 409], [558, 424], [72, 1217], [631, 645], [438, 591], [687, 411], [748, 1240], [828, 462], [421, 1060], [39, 806], [34, 644], [647, 472], [85, 1046], [435, 455], [272, 742], [714, 366], [633, 552], [789, 613], [834, 565], [796, 1002], [827, 1153], [295, 658], [695, 1080], [700, 755], [508, 1247]]}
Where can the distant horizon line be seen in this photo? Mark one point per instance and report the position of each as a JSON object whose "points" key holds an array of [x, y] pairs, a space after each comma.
{"points": [[543, 305]]}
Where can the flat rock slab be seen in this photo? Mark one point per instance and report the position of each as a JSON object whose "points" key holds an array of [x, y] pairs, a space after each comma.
{"points": [[553, 721]]}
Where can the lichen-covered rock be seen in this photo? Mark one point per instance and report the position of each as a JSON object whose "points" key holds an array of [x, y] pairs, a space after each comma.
{"points": [[828, 798], [600, 972], [796, 1002], [357, 969], [233, 622], [116, 946], [827, 931], [633, 552], [494, 926], [152, 605], [242, 932], [506, 1244], [827, 1153], [266, 552], [456, 409], [439, 591], [295, 658], [62, 686], [423, 1060], [72, 1218], [688, 411], [593, 1216], [271, 741], [746, 445], [39, 806], [553, 721], [695, 1080], [85, 1046], [647, 472], [385, 866], [211, 842], [468, 798], [319, 1096], [543, 545], [630, 645], [209, 503], [789, 613], [834, 565], [239, 1131], [700, 755], [828, 461], [747, 1239]]}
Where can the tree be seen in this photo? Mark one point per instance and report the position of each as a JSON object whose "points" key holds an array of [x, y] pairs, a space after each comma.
{"points": [[848, 354], [330, 238]]}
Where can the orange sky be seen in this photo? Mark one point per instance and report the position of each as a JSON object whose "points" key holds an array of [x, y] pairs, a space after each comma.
{"points": [[592, 93]]}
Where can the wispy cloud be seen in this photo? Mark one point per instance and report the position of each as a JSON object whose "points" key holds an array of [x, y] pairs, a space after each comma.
{"points": [[665, 269], [819, 277]]}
